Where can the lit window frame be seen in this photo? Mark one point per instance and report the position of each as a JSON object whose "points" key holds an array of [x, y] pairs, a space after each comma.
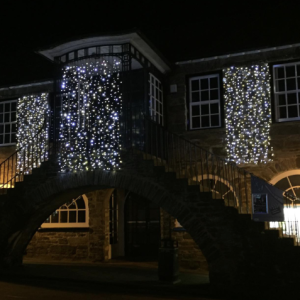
{"points": [[67, 224], [205, 102], [10, 123], [284, 93], [156, 101]]}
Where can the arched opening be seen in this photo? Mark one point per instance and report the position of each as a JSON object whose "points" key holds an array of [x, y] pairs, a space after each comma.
{"points": [[289, 182], [110, 224]]}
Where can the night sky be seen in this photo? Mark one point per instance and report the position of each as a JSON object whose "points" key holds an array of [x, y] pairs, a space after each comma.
{"points": [[180, 31]]}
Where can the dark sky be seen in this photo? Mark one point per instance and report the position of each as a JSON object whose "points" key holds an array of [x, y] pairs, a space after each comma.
{"points": [[179, 29]]}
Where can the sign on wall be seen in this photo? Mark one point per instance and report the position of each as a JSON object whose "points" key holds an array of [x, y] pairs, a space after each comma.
{"points": [[267, 201]]}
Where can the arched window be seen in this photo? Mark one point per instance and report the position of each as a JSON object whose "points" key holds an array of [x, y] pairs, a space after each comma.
{"points": [[289, 182], [73, 214]]}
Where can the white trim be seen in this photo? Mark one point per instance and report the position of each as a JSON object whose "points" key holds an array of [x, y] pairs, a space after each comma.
{"points": [[282, 175], [72, 225], [192, 61], [205, 102], [132, 38], [26, 85]]}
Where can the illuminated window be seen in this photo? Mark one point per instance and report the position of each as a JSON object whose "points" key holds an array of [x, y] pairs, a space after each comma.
{"points": [[204, 102], [287, 91], [70, 215], [156, 99], [8, 122]]}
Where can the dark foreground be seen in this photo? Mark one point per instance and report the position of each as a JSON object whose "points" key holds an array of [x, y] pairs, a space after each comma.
{"points": [[38, 281]]}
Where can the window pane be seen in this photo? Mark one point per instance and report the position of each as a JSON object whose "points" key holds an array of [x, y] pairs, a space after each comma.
{"points": [[80, 203], [1, 107], [81, 216], [7, 128], [290, 71], [195, 110], [1, 139], [1, 118], [54, 217], [13, 117], [204, 96], [204, 109], [7, 139], [292, 98], [63, 217], [195, 85], [1, 128], [205, 121], [291, 84], [292, 110], [214, 120], [214, 108], [13, 138], [298, 70], [14, 127], [282, 112], [279, 72], [195, 97], [6, 119], [14, 106], [204, 84], [196, 122], [7, 107], [214, 94], [281, 100], [72, 217], [214, 83], [280, 86]]}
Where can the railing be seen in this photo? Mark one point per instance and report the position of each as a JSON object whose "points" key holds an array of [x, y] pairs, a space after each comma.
{"points": [[213, 174], [22, 161]]}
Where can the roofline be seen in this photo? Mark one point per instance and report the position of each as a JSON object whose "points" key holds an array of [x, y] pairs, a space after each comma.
{"points": [[134, 37], [13, 87], [191, 61]]}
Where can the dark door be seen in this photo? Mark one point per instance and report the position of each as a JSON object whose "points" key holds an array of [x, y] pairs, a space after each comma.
{"points": [[142, 228]]}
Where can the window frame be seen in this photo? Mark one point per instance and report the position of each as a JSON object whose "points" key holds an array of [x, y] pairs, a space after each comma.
{"points": [[70, 225], [10, 123], [190, 103], [153, 110], [275, 94]]}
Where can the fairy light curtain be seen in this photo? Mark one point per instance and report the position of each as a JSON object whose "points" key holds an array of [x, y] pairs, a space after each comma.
{"points": [[32, 132], [91, 103], [248, 113]]}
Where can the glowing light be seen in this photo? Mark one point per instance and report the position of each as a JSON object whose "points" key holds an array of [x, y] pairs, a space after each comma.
{"points": [[91, 104], [32, 115], [248, 113]]}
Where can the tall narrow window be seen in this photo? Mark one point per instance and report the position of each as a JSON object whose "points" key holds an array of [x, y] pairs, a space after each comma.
{"points": [[8, 122], [287, 91], [113, 219], [156, 99], [204, 102]]}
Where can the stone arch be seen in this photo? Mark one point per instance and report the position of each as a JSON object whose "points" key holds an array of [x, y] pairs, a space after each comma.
{"points": [[32, 208]]}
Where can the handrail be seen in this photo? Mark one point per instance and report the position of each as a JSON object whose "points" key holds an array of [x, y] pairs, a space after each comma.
{"points": [[11, 172], [212, 173]]}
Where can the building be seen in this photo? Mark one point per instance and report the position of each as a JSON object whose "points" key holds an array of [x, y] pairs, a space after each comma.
{"points": [[242, 107]]}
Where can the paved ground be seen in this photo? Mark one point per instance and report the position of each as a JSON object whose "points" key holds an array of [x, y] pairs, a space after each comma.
{"points": [[113, 280]]}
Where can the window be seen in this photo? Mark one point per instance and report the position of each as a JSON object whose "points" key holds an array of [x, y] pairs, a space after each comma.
{"points": [[8, 122], [204, 102], [287, 91], [156, 99], [70, 215]]}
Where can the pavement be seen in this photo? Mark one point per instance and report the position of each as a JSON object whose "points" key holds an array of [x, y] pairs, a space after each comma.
{"points": [[113, 274]]}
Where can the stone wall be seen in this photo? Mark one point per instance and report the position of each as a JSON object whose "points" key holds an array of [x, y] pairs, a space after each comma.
{"points": [[189, 254], [90, 244], [285, 136]]}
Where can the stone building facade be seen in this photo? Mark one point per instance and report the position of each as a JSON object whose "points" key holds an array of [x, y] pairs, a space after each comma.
{"points": [[208, 101]]}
